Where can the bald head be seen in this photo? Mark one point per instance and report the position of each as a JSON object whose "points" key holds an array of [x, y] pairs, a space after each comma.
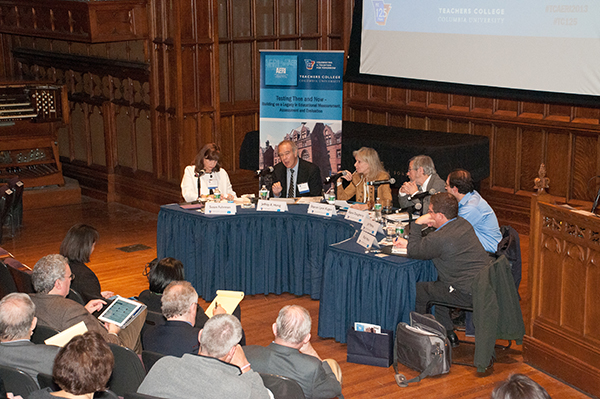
{"points": [[17, 314], [293, 324]]}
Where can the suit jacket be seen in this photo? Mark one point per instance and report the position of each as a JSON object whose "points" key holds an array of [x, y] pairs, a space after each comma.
{"points": [[174, 338], [61, 313], [86, 282], [454, 249], [307, 173], [435, 183], [29, 357], [193, 376], [315, 377]]}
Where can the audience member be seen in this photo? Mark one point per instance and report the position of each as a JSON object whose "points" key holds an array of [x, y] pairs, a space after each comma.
{"points": [[457, 255], [295, 177], [473, 208], [291, 355], [81, 368], [17, 322], [77, 247], [160, 274], [422, 179], [220, 371], [51, 280], [368, 169], [519, 386], [178, 335]]}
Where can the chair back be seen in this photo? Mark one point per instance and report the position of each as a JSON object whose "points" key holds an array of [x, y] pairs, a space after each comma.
{"points": [[510, 246], [76, 296], [128, 372], [7, 284], [282, 387], [47, 381], [152, 319], [21, 275], [42, 333], [135, 395], [149, 358], [17, 381]]}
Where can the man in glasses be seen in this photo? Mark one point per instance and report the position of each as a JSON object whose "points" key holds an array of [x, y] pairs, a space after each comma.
{"points": [[52, 280], [423, 182]]}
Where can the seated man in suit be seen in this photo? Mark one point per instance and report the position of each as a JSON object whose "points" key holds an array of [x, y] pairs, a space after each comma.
{"points": [[424, 180], [179, 334], [456, 253], [295, 177], [52, 280], [221, 370], [17, 322], [291, 355]]}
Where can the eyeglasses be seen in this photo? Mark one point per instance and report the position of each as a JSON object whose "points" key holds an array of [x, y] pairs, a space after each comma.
{"points": [[72, 276]]}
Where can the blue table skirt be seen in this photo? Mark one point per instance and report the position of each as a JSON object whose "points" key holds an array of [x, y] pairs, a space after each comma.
{"points": [[254, 252], [367, 288]]}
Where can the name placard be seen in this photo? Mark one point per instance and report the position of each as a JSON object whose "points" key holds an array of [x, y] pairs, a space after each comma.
{"points": [[271, 206], [372, 227], [366, 240], [356, 216], [220, 208], [321, 209]]}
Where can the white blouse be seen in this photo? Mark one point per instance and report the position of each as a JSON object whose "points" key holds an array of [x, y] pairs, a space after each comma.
{"points": [[189, 183]]}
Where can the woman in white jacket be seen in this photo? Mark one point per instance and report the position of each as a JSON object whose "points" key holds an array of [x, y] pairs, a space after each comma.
{"points": [[206, 175]]}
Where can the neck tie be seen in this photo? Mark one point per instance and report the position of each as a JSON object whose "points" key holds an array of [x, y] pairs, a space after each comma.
{"points": [[291, 186]]}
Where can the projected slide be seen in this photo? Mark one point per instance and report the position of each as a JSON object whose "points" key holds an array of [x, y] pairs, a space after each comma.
{"points": [[532, 45]]}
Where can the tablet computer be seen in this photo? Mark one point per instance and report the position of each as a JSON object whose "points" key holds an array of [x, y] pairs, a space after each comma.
{"points": [[122, 311]]}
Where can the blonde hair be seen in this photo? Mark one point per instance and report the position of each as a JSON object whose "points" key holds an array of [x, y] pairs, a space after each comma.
{"points": [[370, 156]]}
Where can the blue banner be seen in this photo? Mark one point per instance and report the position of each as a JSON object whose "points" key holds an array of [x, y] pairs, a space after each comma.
{"points": [[301, 97]]}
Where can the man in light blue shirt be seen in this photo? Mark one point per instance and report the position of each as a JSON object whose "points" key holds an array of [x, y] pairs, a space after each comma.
{"points": [[473, 208]]}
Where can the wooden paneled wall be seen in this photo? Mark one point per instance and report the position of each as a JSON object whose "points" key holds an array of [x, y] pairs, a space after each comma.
{"points": [[522, 135], [141, 109]]}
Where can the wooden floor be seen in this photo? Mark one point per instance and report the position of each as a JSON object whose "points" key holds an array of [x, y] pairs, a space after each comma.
{"points": [[121, 226]]}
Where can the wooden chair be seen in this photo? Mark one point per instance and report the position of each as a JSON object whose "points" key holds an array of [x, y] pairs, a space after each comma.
{"points": [[21, 274], [7, 284]]}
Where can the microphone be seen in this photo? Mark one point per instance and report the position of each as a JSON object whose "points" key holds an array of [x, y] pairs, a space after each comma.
{"points": [[380, 182], [331, 178], [265, 171], [422, 194], [198, 174]]}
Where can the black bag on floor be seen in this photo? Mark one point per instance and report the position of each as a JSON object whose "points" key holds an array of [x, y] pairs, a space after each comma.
{"points": [[422, 346], [370, 348]]}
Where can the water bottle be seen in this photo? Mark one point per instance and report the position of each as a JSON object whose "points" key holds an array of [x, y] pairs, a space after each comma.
{"points": [[217, 195], [263, 193], [330, 196], [377, 208]]}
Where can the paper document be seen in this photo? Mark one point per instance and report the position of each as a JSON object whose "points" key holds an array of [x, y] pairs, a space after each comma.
{"points": [[227, 299], [62, 338]]}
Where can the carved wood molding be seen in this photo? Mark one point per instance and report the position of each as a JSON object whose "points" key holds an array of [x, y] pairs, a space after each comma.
{"points": [[100, 66], [82, 21]]}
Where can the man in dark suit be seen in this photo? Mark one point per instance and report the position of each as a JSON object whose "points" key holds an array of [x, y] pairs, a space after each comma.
{"points": [[422, 179], [304, 176], [52, 280], [179, 334], [291, 355], [456, 252], [17, 322]]}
